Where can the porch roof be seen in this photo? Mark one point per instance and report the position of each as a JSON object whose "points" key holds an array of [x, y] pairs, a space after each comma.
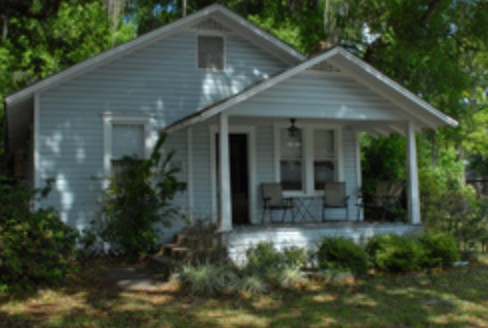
{"points": [[425, 115]]}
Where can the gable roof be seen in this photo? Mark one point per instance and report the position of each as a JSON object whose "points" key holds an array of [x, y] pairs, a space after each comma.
{"points": [[364, 72], [215, 11]]}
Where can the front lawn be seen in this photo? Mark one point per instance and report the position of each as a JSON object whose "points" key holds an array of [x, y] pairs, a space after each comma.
{"points": [[455, 298]]}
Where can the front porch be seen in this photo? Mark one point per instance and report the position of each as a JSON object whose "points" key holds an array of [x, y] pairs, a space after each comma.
{"points": [[307, 235]]}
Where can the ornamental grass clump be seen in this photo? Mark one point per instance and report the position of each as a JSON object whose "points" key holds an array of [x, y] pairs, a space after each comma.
{"points": [[207, 279]]}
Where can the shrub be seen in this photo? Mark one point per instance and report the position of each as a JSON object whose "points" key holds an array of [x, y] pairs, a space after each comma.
{"points": [[439, 249], [137, 200], [278, 268], [393, 253], [295, 257], [343, 254], [205, 243], [37, 248], [264, 259]]}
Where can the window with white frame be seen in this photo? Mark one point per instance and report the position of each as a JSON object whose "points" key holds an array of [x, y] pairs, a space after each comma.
{"points": [[211, 52], [124, 135], [291, 160], [324, 167], [307, 159], [127, 140]]}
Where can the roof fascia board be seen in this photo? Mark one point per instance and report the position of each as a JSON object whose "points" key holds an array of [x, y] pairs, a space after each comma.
{"points": [[387, 96], [140, 42], [108, 55], [266, 84], [380, 77]]}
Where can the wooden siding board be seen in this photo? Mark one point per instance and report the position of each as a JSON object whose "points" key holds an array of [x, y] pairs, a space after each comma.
{"points": [[161, 79], [201, 173], [319, 95]]}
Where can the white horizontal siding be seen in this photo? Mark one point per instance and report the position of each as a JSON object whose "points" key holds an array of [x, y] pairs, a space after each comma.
{"points": [[319, 95], [307, 236], [161, 79], [202, 191]]}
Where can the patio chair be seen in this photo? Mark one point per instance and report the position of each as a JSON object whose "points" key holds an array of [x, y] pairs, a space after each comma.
{"points": [[386, 200], [335, 197], [273, 200]]}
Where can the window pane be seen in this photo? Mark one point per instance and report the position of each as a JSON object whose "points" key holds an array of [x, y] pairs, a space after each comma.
{"points": [[323, 172], [211, 52], [127, 140], [324, 158], [291, 166]]}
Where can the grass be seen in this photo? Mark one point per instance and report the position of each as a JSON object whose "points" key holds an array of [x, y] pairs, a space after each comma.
{"points": [[455, 298]]}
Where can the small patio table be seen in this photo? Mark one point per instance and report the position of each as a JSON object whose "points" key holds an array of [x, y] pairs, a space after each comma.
{"points": [[303, 205]]}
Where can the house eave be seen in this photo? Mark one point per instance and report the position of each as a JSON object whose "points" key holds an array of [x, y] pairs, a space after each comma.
{"points": [[336, 55], [91, 63], [376, 76]]}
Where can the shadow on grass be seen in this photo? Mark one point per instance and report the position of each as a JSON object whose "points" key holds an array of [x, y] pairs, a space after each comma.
{"points": [[455, 298]]}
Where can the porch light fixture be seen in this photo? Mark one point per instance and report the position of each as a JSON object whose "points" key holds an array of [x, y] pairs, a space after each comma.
{"points": [[293, 130], [293, 134]]}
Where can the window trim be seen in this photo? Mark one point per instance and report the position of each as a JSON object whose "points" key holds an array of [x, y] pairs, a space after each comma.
{"points": [[224, 50], [110, 119], [308, 155]]}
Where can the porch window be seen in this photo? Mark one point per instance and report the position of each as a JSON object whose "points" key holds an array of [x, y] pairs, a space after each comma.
{"points": [[306, 161], [211, 52], [291, 161], [324, 158]]}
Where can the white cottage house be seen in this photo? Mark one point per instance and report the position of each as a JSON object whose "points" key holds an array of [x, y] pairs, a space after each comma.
{"points": [[213, 81]]}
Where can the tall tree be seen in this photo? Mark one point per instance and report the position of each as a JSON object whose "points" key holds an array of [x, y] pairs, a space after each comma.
{"points": [[40, 37]]}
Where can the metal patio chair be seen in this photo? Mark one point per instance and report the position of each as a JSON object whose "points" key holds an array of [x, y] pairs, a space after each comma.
{"points": [[335, 197], [386, 200], [273, 200]]}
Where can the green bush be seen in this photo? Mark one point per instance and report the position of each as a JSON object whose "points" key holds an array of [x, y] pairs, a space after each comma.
{"points": [[439, 249], [344, 254], [37, 248], [280, 268], [393, 253], [137, 200], [295, 257], [264, 259], [202, 237]]}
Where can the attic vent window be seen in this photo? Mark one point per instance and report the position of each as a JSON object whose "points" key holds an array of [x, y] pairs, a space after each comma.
{"points": [[211, 52]]}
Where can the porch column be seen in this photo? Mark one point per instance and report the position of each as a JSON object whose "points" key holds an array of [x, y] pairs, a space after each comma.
{"points": [[225, 205], [413, 178]]}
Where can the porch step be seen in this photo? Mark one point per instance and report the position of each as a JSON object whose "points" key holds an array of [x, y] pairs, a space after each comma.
{"points": [[176, 252], [180, 239], [162, 266]]}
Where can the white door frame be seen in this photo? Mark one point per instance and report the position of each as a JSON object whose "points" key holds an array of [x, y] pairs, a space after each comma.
{"points": [[250, 132]]}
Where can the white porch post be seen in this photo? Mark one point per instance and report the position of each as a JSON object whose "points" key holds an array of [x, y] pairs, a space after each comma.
{"points": [[225, 205], [413, 178]]}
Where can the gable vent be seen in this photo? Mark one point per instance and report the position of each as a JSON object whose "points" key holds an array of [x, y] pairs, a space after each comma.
{"points": [[325, 67], [210, 25]]}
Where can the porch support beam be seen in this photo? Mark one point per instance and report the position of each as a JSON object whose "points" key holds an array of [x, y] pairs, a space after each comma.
{"points": [[412, 171], [225, 205]]}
